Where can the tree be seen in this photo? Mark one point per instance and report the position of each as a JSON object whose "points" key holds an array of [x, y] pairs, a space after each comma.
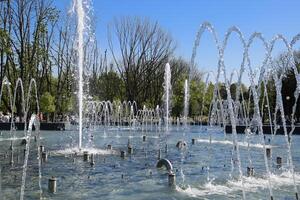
{"points": [[143, 49], [178, 97], [68, 104], [26, 32], [47, 104], [111, 86]]}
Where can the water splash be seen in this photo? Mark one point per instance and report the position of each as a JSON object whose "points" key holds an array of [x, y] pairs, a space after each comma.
{"points": [[167, 94], [186, 102], [73, 151], [80, 34], [33, 121], [252, 184], [226, 142]]}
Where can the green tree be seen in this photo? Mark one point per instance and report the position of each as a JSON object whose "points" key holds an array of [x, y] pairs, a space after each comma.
{"points": [[196, 94], [47, 104], [178, 98], [68, 104], [109, 86]]}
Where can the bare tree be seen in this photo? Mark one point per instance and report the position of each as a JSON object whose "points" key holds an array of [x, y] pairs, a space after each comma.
{"points": [[141, 52]]}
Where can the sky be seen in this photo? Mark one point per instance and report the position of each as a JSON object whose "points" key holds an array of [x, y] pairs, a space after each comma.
{"points": [[182, 19]]}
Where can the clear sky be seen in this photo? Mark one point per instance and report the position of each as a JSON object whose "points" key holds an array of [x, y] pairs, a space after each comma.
{"points": [[182, 18]]}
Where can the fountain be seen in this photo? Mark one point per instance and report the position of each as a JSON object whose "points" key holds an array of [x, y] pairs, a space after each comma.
{"points": [[219, 164], [26, 102], [186, 102], [80, 32], [167, 95], [233, 108]]}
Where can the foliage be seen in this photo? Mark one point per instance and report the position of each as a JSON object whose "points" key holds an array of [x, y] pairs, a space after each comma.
{"points": [[109, 86], [68, 104], [47, 103]]}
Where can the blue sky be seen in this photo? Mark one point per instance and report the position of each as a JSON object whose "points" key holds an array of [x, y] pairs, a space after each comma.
{"points": [[182, 18]]}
